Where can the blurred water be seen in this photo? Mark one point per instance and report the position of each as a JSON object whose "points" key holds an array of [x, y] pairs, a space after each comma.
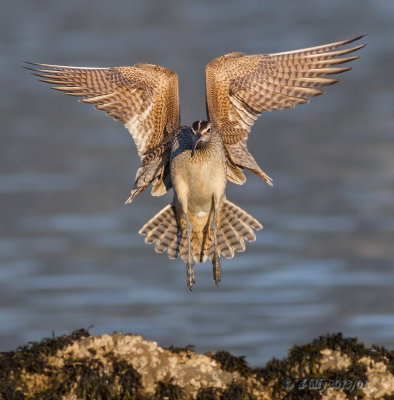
{"points": [[70, 252]]}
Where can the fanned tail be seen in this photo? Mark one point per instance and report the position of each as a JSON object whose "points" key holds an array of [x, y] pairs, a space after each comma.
{"points": [[235, 226], [163, 230]]}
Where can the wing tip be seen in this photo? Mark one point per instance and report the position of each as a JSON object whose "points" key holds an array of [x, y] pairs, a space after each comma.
{"points": [[327, 46], [358, 37], [354, 38], [28, 62], [29, 65], [350, 40], [35, 64]]}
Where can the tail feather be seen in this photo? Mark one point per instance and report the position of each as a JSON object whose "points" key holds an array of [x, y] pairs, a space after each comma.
{"points": [[243, 216], [165, 240], [158, 225], [241, 227], [155, 234], [233, 238], [183, 247], [174, 246], [235, 226], [224, 247]]}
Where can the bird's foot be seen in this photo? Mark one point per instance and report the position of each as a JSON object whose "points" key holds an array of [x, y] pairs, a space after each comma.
{"points": [[190, 274], [216, 269]]}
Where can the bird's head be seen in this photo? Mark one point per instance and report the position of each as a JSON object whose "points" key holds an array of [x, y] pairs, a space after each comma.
{"points": [[202, 132]]}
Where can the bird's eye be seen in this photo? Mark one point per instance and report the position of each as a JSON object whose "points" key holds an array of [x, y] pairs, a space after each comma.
{"points": [[209, 130]]}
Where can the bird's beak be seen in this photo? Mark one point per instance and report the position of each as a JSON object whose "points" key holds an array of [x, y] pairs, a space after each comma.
{"points": [[196, 139]]}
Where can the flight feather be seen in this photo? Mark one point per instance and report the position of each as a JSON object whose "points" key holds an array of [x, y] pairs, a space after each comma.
{"points": [[143, 96], [240, 87]]}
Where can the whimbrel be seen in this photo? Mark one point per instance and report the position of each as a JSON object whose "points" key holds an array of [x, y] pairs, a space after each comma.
{"points": [[198, 161]]}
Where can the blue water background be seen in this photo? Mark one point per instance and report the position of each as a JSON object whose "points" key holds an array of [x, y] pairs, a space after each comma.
{"points": [[70, 253]]}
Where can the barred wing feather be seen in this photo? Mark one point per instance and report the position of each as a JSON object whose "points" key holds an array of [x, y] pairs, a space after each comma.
{"points": [[240, 87], [144, 96]]}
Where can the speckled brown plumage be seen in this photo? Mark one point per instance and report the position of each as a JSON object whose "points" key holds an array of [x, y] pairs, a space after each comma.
{"points": [[144, 97], [197, 161], [240, 87]]}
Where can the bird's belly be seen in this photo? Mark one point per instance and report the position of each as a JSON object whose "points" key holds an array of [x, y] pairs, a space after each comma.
{"points": [[205, 182]]}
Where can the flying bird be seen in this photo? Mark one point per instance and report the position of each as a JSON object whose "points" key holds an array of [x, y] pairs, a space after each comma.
{"points": [[198, 160]]}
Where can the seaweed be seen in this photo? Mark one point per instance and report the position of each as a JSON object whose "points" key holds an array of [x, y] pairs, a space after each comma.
{"points": [[208, 393], [177, 350], [31, 359], [86, 375], [29, 373], [237, 391], [304, 362], [231, 363], [165, 390]]}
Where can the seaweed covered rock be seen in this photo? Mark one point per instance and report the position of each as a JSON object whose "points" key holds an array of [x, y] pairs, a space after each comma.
{"points": [[118, 366]]}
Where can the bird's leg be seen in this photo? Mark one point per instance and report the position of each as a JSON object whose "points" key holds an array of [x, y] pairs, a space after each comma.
{"points": [[216, 257], [189, 264]]}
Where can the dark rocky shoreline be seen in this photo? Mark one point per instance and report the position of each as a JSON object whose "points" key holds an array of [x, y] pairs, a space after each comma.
{"points": [[120, 366]]}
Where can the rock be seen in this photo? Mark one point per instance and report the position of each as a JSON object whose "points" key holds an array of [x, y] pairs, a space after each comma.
{"points": [[118, 366]]}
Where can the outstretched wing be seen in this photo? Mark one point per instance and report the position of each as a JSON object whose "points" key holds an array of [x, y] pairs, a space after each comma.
{"points": [[144, 96], [240, 87]]}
